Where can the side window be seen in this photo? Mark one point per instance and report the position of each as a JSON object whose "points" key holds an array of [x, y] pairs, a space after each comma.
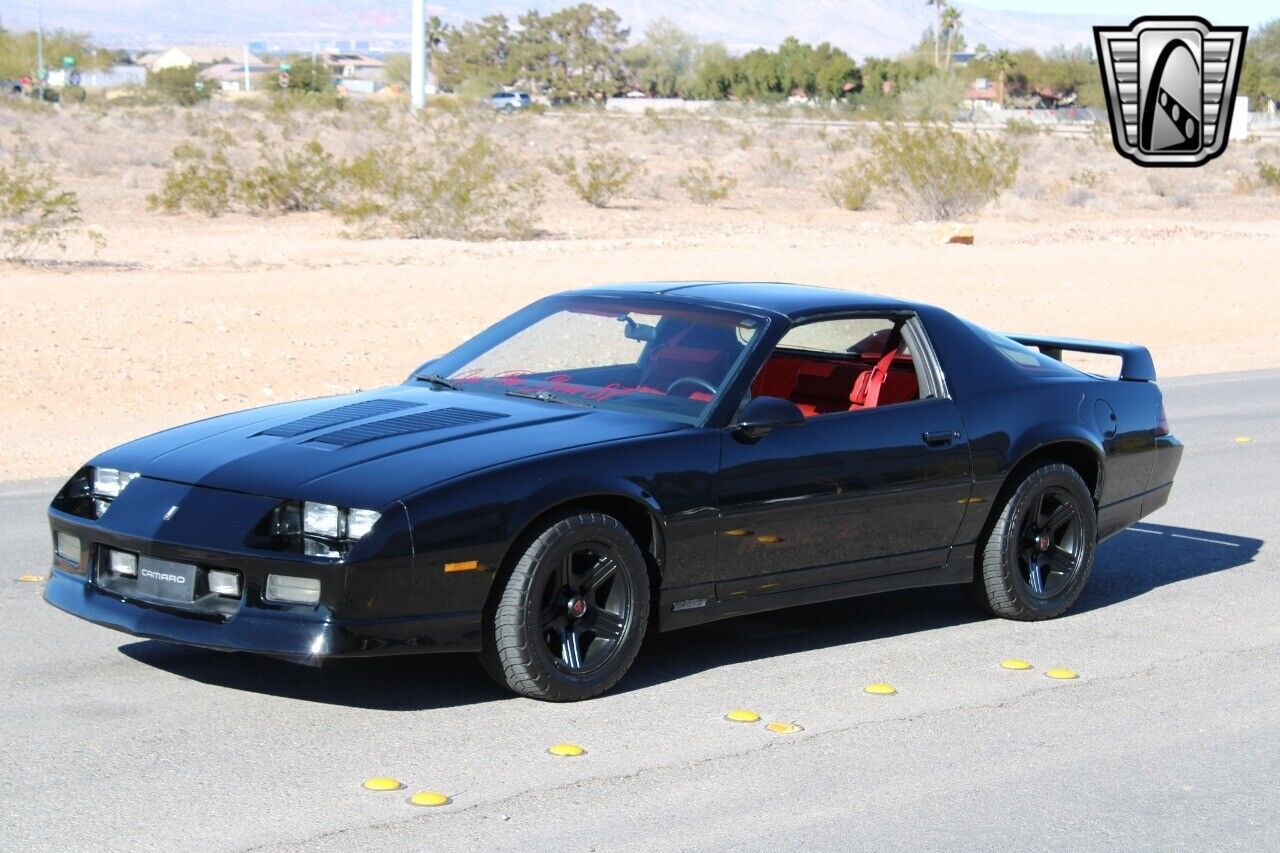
{"points": [[841, 365]]}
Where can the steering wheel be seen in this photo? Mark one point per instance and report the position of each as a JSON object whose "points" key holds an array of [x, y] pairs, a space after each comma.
{"points": [[692, 380]]}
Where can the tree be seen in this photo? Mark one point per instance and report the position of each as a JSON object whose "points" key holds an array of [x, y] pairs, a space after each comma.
{"points": [[1260, 77], [939, 7], [477, 51], [309, 75], [572, 54], [951, 26], [18, 52], [180, 84], [665, 61], [1002, 63]]}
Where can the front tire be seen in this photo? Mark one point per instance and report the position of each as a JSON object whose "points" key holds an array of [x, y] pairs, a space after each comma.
{"points": [[570, 617], [1034, 561]]}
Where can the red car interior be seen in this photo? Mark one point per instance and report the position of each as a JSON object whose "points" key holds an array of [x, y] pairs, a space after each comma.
{"points": [[820, 385]]}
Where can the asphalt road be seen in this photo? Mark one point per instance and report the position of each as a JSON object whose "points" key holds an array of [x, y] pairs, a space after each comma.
{"points": [[1167, 740]]}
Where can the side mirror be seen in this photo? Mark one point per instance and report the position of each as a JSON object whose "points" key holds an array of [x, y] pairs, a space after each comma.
{"points": [[764, 414]]}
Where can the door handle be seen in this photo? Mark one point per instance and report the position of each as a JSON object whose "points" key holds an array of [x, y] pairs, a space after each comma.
{"points": [[940, 437]]}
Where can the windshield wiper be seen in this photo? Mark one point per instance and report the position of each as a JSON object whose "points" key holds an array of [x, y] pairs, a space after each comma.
{"points": [[439, 381], [547, 397]]}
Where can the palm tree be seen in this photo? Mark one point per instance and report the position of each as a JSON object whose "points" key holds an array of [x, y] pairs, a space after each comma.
{"points": [[940, 6], [435, 36], [1001, 62], [951, 23]]}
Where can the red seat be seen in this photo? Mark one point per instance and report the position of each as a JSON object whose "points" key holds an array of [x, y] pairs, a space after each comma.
{"points": [[820, 386]]}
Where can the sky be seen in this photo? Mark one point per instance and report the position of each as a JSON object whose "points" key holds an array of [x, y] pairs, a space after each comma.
{"points": [[1233, 12]]}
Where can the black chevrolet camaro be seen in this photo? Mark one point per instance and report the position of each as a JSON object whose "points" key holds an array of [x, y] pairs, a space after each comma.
{"points": [[621, 459]]}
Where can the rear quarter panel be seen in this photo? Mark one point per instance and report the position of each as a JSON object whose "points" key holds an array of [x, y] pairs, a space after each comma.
{"points": [[1010, 413]]}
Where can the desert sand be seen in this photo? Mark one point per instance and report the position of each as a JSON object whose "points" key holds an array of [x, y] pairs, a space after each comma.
{"points": [[184, 317]]}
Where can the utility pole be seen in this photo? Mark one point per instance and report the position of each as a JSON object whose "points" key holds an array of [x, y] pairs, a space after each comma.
{"points": [[418, 59], [247, 84]]}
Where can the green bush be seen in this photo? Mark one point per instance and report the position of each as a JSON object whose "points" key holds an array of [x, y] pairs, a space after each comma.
{"points": [[200, 179], [705, 185], [179, 86], [603, 174], [1269, 174], [291, 181], [935, 98], [458, 191], [850, 188], [936, 173], [34, 211]]}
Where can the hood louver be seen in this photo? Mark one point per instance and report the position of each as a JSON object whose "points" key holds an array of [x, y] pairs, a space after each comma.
{"points": [[418, 422], [340, 415]]}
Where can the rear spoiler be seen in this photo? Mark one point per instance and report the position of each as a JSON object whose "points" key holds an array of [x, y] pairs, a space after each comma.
{"points": [[1135, 361]]}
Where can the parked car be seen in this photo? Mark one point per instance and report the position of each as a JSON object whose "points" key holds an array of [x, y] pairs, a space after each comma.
{"points": [[609, 460], [509, 102]]}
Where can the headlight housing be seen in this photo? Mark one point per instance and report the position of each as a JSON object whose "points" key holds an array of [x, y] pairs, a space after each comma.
{"points": [[317, 529], [90, 492]]}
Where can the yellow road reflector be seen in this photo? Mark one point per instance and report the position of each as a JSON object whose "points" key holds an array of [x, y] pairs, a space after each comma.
{"points": [[1015, 663], [382, 783], [769, 539], [879, 688], [462, 566], [1243, 439], [429, 798], [566, 750], [742, 715], [784, 728], [31, 578], [1061, 672], [737, 531]]}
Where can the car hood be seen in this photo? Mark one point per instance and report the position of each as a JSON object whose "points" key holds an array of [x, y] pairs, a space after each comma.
{"points": [[371, 448]]}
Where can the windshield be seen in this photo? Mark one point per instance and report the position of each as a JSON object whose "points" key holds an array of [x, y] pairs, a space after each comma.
{"points": [[670, 361]]}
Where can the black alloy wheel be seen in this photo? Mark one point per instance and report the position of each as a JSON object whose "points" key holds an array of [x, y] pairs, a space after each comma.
{"points": [[566, 619], [586, 608], [1037, 551], [1051, 542]]}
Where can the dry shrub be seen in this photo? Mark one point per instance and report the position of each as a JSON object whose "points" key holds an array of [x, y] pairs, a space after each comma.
{"points": [[34, 211], [850, 188], [461, 192], [705, 184], [201, 180], [937, 173], [288, 181], [602, 174]]}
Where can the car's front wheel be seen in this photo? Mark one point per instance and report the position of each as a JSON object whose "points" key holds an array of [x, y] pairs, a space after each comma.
{"points": [[569, 618], [1037, 555]]}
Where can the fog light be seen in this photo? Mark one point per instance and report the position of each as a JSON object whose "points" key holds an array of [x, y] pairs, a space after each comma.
{"points": [[122, 563], [292, 590], [67, 546], [224, 583]]}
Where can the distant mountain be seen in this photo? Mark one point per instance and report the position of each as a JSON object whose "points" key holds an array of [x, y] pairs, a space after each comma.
{"points": [[862, 27]]}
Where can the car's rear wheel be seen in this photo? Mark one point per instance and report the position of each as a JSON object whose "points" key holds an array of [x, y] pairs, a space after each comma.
{"points": [[569, 618], [1036, 557]]}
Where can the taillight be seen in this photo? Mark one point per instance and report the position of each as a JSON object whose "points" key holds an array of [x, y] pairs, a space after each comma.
{"points": [[1162, 424]]}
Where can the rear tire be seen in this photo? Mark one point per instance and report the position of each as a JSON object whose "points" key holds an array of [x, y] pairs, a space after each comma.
{"points": [[1035, 559], [569, 618]]}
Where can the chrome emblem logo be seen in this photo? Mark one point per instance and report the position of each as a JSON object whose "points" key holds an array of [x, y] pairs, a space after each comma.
{"points": [[1170, 85]]}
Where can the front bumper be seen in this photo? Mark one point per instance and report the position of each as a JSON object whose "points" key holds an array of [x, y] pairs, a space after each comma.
{"points": [[306, 638]]}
